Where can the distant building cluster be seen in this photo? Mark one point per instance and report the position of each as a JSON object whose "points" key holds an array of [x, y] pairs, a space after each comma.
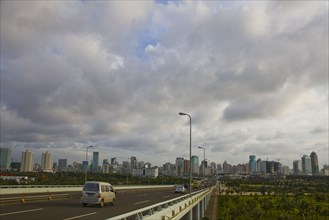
{"points": [[307, 165], [27, 164]]}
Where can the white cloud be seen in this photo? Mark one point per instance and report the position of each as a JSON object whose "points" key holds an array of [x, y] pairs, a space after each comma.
{"points": [[253, 76]]}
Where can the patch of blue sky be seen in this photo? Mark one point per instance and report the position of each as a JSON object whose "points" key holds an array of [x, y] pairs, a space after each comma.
{"points": [[142, 44], [148, 37], [56, 50]]}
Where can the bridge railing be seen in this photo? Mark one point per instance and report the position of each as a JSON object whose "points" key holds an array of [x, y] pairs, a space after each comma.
{"points": [[171, 209]]}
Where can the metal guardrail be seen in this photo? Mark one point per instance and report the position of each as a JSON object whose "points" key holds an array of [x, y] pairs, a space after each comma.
{"points": [[168, 210]]}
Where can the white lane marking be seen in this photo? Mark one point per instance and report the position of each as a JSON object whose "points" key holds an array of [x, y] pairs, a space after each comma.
{"points": [[166, 196], [141, 202], [79, 216], [143, 195], [18, 212]]}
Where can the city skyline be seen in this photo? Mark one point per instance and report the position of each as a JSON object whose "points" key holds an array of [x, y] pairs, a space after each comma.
{"points": [[197, 162], [253, 76]]}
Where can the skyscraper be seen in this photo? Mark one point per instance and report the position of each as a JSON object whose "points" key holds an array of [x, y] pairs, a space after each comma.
{"points": [[5, 158], [27, 161], [314, 163], [306, 165], [62, 164], [114, 161], [186, 168], [297, 166], [95, 162], [195, 165], [47, 161], [133, 164], [252, 163], [179, 166]]}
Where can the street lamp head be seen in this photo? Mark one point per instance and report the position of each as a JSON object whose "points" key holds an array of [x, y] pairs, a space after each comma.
{"points": [[182, 113]]}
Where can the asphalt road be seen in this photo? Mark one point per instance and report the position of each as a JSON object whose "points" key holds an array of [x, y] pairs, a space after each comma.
{"points": [[65, 208]]}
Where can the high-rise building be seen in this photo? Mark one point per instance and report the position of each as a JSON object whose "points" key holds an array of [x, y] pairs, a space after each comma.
{"points": [[62, 164], [106, 168], [85, 166], [227, 168], [47, 161], [186, 167], [15, 166], [195, 165], [314, 163], [252, 164], [262, 166], [95, 162], [213, 166], [306, 165], [297, 167], [169, 169], [114, 161], [105, 161], [219, 168], [179, 166], [133, 163], [126, 166], [277, 166], [269, 166], [285, 170], [27, 161], [5, 158], [140, 164]]}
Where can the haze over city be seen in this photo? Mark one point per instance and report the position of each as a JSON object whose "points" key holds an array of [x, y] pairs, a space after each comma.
{"points": [[253, 76]]}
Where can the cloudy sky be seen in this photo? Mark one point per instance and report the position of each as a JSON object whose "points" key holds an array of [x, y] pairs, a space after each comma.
{"points": [[114, 74]]}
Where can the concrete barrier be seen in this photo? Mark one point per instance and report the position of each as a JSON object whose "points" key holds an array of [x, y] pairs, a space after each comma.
{"points": [[27, 189]]}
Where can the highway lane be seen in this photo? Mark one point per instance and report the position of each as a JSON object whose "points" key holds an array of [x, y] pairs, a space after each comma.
{"points": [[71, 208]]}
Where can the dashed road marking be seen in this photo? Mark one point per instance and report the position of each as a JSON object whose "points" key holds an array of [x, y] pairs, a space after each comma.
{"points": [[141, 202], [80, 216], [19, 212]]}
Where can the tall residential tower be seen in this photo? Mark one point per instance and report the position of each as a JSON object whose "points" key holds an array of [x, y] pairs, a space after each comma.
{"points": [[27, 161], [47, 161], [314, 163]]}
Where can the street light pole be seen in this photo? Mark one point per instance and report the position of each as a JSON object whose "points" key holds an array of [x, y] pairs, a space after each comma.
{"points": [[204, 161], [87, 163], [190, 171]]}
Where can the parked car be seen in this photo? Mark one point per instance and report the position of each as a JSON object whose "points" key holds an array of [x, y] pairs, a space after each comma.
{"points": [[180, 189], [98, 193]]}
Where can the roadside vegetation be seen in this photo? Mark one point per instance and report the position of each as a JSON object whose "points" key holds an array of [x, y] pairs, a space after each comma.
{"points": [[291, 198]]}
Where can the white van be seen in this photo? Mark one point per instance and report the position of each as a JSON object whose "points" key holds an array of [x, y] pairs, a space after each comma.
{"points": [[97, 193]]}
